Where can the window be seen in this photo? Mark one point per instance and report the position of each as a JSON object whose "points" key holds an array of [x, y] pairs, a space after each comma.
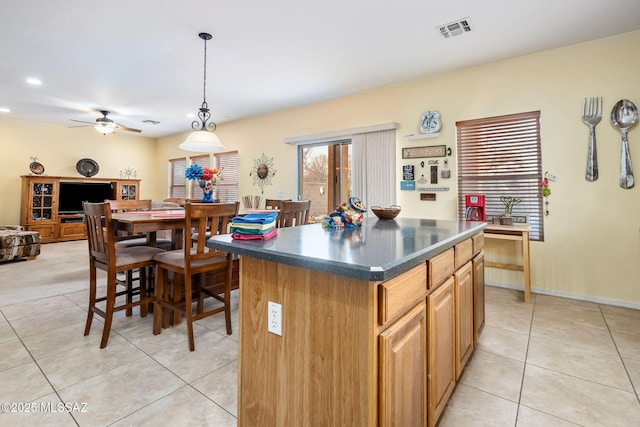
{"points": [[227, 191], [177, 183], [355, 162], [205, 162], [228, 187], [501, 156], [325, 175]]}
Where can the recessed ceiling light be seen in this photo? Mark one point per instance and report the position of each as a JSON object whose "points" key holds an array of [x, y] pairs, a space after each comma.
{"points": [[190, 115], [34, 81], [4, 110]]}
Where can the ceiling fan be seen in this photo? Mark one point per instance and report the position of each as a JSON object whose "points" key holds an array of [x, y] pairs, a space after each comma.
{"points": [[105, 125]]}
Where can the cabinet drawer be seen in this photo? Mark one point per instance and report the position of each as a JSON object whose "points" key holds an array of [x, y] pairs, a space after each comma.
{"points": [[478, 243], [440, 268], [398, 295], [464, 251]]}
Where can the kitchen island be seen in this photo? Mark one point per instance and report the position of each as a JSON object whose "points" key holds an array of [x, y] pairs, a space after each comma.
{"points": [[356, 348]]}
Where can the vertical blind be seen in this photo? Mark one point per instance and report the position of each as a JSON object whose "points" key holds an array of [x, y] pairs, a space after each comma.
{"points": [[501, 156], [228, 187], [374, 167], [177, 186]]}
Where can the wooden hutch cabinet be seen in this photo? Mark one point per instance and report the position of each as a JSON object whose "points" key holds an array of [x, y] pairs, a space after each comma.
{"points": [[41, 211]]}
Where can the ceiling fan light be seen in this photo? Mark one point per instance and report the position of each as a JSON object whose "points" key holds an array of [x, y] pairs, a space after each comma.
{"points": [[202, 141], [105, 127]]}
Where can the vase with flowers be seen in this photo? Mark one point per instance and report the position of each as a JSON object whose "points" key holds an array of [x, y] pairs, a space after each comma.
{"points": [[207, 178]]}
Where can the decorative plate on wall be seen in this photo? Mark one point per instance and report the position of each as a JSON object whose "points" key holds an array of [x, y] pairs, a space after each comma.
{"points": [[430, 122], [36, 168], [87, 167]]}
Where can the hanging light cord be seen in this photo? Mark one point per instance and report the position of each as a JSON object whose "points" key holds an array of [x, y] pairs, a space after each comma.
{"points": [[204, 113], [204, 79]]}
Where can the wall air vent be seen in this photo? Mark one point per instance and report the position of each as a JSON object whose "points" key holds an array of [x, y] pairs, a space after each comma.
{"points": [[456, 28]]}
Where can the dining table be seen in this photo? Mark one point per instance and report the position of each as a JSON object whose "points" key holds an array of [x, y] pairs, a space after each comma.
{"points": [[150, 222]]}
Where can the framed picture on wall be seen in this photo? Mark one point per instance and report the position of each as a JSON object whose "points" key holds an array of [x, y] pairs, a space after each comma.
{"points": [[420, 152]]}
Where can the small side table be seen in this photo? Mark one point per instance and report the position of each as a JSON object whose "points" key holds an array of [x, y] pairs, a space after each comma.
{"points": [[518, 233]]}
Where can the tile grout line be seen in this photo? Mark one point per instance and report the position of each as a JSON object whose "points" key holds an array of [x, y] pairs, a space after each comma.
{"points": [[524, 370], [636, 391], [41, 371]]}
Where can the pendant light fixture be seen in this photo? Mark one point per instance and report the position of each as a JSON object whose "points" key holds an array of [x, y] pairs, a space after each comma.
{"points": [[203, 139]]}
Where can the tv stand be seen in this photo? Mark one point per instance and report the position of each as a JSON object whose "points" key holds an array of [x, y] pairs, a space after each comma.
{"points": [[39, 205]]}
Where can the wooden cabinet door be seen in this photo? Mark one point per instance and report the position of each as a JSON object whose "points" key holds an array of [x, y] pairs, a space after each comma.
{"points": [[39, 206], [75, 230], [440, 348], [464, 315], [403, 365], [43, 200], [478, 297], [128, 190]]}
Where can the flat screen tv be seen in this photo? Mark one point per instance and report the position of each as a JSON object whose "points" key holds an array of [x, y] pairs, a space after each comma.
{"points": [[72, 194]]}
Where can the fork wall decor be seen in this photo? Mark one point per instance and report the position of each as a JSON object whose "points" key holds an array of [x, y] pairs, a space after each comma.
{"points": [[591, 116]]}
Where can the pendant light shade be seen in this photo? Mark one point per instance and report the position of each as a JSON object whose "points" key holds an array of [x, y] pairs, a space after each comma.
{"points": [[203, 140]]}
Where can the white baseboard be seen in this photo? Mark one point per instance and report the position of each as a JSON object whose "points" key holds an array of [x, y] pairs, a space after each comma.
{"points": [[561, 294]]}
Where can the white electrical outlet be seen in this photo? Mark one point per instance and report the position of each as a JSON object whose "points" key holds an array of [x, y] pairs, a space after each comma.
{"points": [[275, 318]]}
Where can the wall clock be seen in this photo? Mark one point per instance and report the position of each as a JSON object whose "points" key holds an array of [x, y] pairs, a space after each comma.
{"points": [[262, 171], [430, 122]]}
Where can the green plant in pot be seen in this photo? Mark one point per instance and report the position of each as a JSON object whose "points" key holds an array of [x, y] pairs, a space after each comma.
{"points": [[509, 202]]}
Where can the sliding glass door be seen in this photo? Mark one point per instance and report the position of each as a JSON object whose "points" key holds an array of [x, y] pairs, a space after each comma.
{"points": [[325, 175]]}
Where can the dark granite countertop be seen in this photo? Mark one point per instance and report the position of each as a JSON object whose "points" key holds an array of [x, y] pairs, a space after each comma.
{"points": [[377, 251]]}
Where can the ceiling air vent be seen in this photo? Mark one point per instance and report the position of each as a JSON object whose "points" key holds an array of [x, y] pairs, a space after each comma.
{"points": [[455, 28], [151, 122]]}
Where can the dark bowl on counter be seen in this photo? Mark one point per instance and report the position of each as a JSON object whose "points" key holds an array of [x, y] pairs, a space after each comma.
{"points": [[386, 213]]}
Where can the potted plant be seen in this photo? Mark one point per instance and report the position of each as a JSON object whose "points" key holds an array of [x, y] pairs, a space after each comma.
{"points": [[509, 202]]}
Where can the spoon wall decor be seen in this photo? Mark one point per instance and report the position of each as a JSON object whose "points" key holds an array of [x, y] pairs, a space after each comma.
{"points": [[624, 115]]}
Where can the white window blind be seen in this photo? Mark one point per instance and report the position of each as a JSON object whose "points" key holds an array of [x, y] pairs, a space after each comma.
{"points": [[177, 184], [501, 156], [205, 162], [228, 187]]}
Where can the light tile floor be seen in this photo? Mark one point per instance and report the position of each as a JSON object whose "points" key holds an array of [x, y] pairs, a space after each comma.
{"points": [[554, 362]]}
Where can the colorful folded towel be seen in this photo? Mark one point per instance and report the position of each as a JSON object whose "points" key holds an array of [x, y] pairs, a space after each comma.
{"points": [[269, 235], [255, 218], [253, 226], [252, 231]]}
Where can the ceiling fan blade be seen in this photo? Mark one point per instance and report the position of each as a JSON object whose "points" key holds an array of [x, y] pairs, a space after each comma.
{"points": [[121, 127], [82, 121]]}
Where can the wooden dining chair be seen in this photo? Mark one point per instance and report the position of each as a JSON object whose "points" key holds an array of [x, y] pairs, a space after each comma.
{"points": [[103, 255], [294, 213], [192, 263], [274, 203]]}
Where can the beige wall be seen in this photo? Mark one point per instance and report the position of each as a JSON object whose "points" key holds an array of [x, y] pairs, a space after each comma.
{"points": [[592, 245], [59, 148]]}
